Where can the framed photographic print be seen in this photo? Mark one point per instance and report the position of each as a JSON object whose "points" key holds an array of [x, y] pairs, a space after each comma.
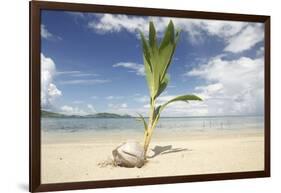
{"points": [[123, 96]]}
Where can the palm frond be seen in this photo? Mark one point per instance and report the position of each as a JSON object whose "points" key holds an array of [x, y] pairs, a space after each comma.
{"points": [[184, 98], [144, 122]]}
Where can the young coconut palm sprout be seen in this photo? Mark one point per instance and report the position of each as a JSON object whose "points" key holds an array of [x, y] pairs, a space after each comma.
{"points": [[157, 59]]}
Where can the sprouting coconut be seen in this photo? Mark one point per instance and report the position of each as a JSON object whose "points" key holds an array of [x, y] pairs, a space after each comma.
{"points": [[157, 59]]}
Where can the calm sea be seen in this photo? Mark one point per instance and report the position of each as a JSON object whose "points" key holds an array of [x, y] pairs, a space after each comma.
{"points": [[201, 124]]}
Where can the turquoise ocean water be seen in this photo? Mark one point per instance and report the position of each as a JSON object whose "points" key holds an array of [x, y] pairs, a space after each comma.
{"points": [[112, 125]]}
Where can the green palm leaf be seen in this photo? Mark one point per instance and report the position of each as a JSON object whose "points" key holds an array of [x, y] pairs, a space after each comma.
{"points": [[144, 122], [152, 37], [146, 50], [184, 98], [163, 84]]}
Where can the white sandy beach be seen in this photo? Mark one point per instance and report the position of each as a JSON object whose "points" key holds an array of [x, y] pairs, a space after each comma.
{"points": [[69, 159]]}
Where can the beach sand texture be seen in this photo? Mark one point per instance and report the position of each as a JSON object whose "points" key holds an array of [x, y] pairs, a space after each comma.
{"points": [[87, 158]]}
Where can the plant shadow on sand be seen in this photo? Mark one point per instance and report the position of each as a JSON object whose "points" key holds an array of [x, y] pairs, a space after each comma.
{"points": [[160, 150], [157, 150]]}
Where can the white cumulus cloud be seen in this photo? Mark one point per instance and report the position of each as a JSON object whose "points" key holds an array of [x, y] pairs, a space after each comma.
{"points": [[91, 108], [48, 35], [116, 23], [76, 110], [231, 87], [231, 32], [49, 91], [246, 39], [45, 33], [133, 67], [121, 106], [69, 110], [114, 97]]}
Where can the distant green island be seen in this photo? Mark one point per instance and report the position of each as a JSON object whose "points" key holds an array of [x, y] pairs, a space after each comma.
{"points": [[97, 115], [50, 114]]}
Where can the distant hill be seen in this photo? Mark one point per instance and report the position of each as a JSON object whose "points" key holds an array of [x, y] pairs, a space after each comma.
{"points": [[51, 114], [107, 115], [98, 115]]}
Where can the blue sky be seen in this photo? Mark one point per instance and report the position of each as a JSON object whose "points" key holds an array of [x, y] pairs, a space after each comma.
{"points": [[93, 63]]}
